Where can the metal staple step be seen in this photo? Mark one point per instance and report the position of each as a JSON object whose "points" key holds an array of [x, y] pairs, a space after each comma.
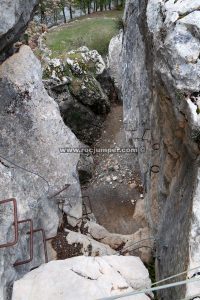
{"points": [[16, 234]]}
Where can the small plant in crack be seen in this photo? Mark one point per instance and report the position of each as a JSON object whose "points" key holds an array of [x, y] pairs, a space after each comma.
{"points": [[180, 95], [120, 24]]}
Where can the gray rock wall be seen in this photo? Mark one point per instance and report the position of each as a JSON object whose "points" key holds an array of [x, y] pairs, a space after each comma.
{"points": [[14, 16], [31, 165], [160, 88], [32, 168]]}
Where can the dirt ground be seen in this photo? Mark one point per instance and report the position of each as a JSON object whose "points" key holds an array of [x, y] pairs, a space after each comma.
{"points": [[116, 185]]}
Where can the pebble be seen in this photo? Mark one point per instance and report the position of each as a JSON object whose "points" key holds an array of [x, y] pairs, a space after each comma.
{"points": [[132, 185], [108, 179], [116, 168], [111, 168], [133, 201], [114, 178], [141, 195]]}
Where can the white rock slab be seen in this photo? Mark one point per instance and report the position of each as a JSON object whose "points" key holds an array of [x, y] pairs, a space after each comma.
{"points": [[84, 278]]}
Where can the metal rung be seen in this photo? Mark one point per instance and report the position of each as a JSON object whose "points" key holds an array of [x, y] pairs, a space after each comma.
{"points": [[31, 232], [10, 244], [60, 191], [85, 206], [18, 263], [44, 242]]}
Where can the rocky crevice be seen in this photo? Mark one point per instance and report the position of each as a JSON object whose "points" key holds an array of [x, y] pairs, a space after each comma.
{"points": [[44, 180]]}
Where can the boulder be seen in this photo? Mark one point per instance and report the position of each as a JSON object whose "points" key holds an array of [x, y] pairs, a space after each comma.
{"points": [[32, 168], [88, 91], [114, 60], [14, 16], [85, 124], [84, 60], [140, 243], [87, 245], [72, 83], [84, 278]]}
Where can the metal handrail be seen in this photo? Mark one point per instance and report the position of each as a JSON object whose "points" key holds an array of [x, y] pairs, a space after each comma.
{"points": [[85, 206]]}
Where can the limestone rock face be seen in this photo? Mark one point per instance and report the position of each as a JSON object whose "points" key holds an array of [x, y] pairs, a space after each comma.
{"points": [[114, 59], [14, 16], [32, 169], [84, 278], [140, 243], [161, 90], [89, 247]]}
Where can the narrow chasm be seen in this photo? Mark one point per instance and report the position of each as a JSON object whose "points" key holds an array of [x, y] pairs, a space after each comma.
{"points": [[90, 104]]}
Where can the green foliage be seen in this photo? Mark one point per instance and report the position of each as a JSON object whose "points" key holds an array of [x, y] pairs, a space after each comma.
{"points": [[180, 95], [152, 273], [120, 23]]}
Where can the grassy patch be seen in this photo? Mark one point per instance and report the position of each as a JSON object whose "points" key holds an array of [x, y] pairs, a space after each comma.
{"points": [[94, 32]]}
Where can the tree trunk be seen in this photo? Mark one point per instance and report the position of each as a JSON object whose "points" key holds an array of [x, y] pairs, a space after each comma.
{"points": [[84, 7], [70, 11], [101, 5], [88, 7], [64, 16], [81, 7]]}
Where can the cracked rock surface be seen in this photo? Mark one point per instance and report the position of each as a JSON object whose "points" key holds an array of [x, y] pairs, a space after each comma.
{"points": [[14, 16], [161, 90], [84, 278], [31, 167]]}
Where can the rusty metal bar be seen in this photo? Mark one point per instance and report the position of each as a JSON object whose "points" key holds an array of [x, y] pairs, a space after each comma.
{"points": [[18, 263], [10, 244], [51, 238], [60, 191], [62, 203], [44, 242], [90, 205]]}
